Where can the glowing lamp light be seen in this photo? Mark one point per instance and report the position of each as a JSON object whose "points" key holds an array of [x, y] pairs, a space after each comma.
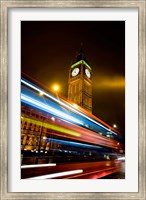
{"points": [[56, 87], [114, 125], [75, 106], [53, 118], [41, 93]]}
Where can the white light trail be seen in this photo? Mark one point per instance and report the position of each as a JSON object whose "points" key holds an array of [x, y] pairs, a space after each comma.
{"points": [[121, 158], [49, 108], [55, 175], [38, 165]]}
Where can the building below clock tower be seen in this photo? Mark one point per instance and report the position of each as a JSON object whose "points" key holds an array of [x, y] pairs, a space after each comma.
{"points": [[80, 82]]}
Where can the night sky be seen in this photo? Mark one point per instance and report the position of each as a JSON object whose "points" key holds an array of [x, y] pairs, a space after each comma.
{"points": [[49, 48]]}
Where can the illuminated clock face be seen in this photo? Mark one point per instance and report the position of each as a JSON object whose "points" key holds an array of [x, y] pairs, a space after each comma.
{"points": [[75, 72], [87, 72]]}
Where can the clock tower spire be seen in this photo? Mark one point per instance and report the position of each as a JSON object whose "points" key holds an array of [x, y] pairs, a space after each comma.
{"points": [[80, 82]]}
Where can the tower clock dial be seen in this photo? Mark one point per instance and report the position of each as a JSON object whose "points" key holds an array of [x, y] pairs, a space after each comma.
{"points": [[75, 72], [87, 72]]}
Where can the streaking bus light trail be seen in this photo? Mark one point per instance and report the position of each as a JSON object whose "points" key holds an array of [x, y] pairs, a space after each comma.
{"points": [[65, 105], [59, 141], [44, 107]]}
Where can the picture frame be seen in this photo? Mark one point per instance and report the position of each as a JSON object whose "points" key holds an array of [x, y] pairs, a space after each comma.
{"points": [[5, 5]]}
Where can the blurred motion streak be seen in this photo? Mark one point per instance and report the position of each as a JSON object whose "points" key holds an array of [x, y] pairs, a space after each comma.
{"points": [[56, 137]]}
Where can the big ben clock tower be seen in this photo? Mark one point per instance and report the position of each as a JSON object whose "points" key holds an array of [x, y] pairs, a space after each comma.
{"points": [[80, 83]]}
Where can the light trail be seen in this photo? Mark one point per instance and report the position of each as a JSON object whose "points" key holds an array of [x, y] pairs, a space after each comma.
{"points": [[67, 131], [45, 107], [65, 105], [76, 144], [54, 127], [55, 175], [93, 172], [38, 165], [64, 130], [122, 158]]}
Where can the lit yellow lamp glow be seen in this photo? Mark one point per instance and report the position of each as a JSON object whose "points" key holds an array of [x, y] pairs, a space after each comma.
{"points": [[114, 125], [41, 93], [75, 106], [56, 87]]}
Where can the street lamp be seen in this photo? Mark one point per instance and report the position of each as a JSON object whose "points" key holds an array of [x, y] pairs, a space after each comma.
{"points": [[114, 125], [75, 106], [56, 88], [41, 93]]}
